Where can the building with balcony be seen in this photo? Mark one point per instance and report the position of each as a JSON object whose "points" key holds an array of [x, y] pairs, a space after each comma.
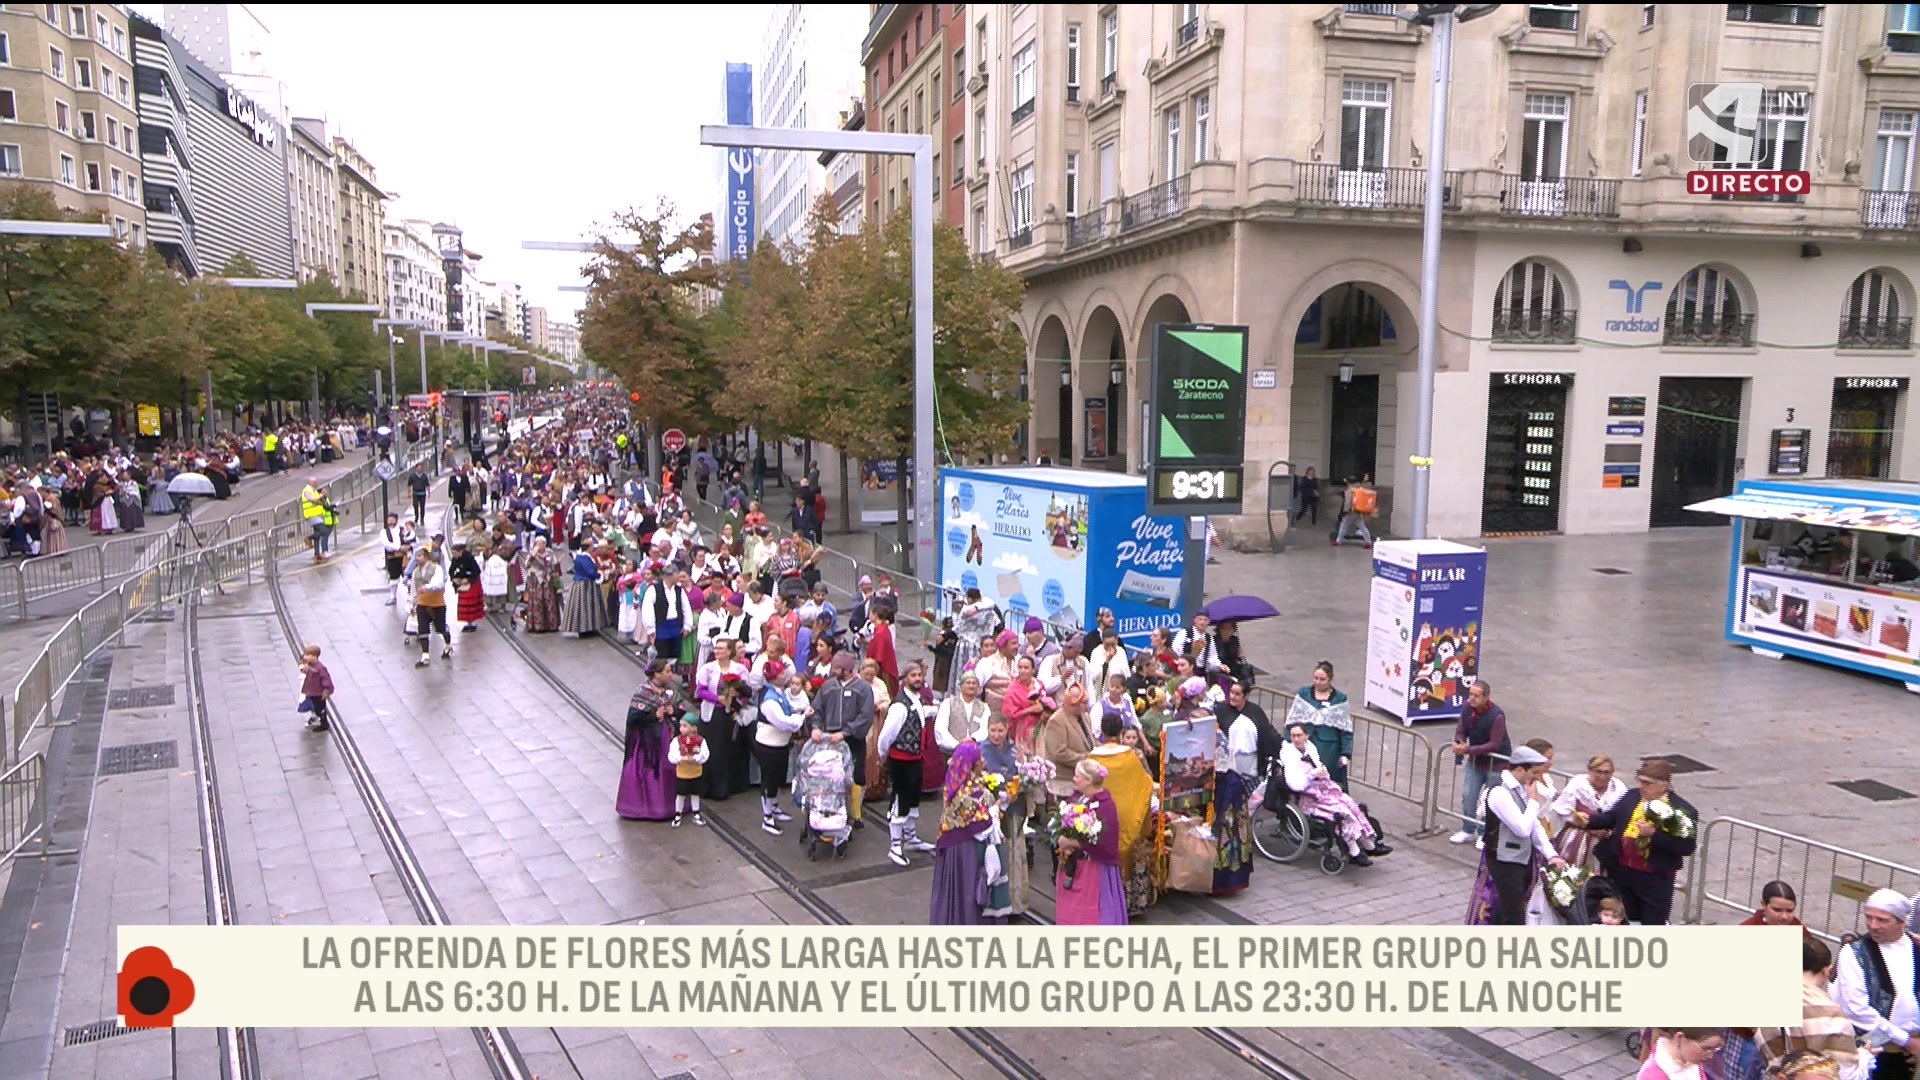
{"points": [[313, 184], [847, 174], [466, 310], [564, 340], [1611, 347], [416, 279], [918, 69], [363, 264], [68, 123], [809, 68]]}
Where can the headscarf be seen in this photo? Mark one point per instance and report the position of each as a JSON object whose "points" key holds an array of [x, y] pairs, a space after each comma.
{"points": [[1034, 623], [1194, 687], [1892, 903], [960, 767], [1005, 638]]}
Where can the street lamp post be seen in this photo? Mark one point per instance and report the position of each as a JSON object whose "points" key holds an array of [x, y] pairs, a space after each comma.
{"points": [[920, 149], [1442, 18], [312, 310], [393, 375]]}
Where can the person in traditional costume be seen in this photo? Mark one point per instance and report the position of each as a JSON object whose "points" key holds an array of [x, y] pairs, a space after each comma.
{"points": [[583, 609], [1088, 890], [1824, 1035], [1136, 803], [880, 648], [464, 574], [1589, 794], [1323, 709], [1319, 797], [971, 884], [1679, 1053], [1000, 756], [973, 626], [542, 596], [646, 777], [722, 690], [963, 715], [1026, 705], [996, 669], [1235, 771], [133, 516], [1643, 859], [1875, 985], [1516, 844], [784, 709]]}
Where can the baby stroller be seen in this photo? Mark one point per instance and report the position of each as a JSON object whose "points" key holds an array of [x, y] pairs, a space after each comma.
{"points": [[825, 783], [1586, 907]]}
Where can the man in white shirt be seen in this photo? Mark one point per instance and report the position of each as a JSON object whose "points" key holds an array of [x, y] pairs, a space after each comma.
{"points": [[1518, 834], [1065, 666], [1109, 658], [1877, 984], [741, 627], [1201, 643], [760, 607]]}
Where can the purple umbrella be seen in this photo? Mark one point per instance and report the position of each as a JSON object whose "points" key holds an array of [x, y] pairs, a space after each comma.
{"points": [[1239, 609]]}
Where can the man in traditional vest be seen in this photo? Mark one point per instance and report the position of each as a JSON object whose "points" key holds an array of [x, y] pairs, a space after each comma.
{"points": [[1515, 834], [1877, 983]]}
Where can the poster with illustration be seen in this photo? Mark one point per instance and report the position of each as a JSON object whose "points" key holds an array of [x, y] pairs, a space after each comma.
{"points": [[1060, 544], [1424, 627], [1862, 625], [1186, 765]]}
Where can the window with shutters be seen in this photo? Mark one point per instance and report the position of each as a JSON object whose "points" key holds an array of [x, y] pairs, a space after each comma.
{"points": [[1073, 186], [1202, 125], [1532, 304], [1874, 316], [1073, 62], [1025, 80], [1706, 308], [1639, 150]]}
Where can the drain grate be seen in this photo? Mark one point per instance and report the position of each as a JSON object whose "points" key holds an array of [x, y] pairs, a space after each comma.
{"points": [[679, 1076], [94, 1032], [1610, 571], [1683, 764], [139, 757], [1873, 790], [376, 592], [140, 697]]}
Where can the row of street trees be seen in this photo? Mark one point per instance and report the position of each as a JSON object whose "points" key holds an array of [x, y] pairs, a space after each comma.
{"points": [[107, 326], [812, 342]]}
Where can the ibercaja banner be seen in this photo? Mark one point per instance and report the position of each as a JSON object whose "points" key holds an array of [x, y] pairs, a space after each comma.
{"points": [[1181, 976]]}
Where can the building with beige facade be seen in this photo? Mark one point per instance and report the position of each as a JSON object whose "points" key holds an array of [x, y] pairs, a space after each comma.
{"points": [[314, 188], [363, 265], [68, 120], [1611, 348], [416, 278], [537, 328]]}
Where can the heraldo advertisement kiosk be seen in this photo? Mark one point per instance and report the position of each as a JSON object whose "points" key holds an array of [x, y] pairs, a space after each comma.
{"points": [[1825, 570], [1061, 544]]}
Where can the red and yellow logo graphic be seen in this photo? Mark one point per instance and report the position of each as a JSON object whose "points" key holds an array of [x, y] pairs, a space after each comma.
{"points": [[152, 990]]}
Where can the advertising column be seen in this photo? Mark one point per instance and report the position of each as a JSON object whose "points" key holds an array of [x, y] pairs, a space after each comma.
{"points": [[1424, 623]]}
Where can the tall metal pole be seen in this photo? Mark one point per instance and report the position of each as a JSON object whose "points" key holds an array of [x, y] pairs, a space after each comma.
{"points": [[1422, 459], [207, 434], [925, 556], [393, 378]]}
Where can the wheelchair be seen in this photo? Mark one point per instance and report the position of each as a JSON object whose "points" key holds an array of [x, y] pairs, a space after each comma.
{"points": [[1283, 832]]}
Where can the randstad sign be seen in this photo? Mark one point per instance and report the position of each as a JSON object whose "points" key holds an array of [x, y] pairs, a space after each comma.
{"points": [[1635, 321]]}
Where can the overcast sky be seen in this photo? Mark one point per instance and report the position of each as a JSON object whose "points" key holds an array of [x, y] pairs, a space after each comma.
{"points": [[518, 122]]}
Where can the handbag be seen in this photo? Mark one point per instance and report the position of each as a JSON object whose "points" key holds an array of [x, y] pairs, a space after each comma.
{"points": [[412, 626], [306, 705], [877, 788]]}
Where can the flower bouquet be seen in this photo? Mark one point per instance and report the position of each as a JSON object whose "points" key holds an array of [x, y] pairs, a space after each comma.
{"points": [[1563, 889], [1075, 820], [998, 786], [732, 692], [1670, 819], [1035, 771]]}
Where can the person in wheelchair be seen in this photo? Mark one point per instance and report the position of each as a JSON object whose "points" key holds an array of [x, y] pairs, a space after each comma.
{"points": [[1319, 797]]}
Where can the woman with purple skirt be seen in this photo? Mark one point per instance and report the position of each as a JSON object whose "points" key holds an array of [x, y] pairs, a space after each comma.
{"points": [[1094, 893], [970, 886], [653, 718]]}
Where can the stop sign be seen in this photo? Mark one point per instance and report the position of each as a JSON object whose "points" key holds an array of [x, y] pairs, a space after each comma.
{"points": [[674, 440]]}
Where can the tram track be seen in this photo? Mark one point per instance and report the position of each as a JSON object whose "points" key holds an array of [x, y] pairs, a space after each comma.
{"points": [[502, 1052], [994, 1050]]}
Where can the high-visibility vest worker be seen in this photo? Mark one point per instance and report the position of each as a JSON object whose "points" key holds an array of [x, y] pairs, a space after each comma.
{"points": [[311, 504], [622, 441], [271, 444]]}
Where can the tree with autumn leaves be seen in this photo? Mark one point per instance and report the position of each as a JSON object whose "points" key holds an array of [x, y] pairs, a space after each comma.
{"points": [[810, 342]]}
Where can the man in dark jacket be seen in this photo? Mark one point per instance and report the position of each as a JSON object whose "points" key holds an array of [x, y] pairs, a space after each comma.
{"points": [[1480, 734], [1642, 858], [458, 487], [844, 707]]}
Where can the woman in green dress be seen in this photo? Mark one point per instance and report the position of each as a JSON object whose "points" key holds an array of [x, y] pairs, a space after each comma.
{"points": [[1323, 711]]}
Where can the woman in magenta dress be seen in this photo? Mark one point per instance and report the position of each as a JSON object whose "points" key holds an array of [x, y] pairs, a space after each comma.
{"points": [[653, 717], [1096, 895]]}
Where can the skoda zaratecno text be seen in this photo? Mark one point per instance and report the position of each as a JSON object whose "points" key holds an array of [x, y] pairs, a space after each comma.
{"points": [[286, 976]]}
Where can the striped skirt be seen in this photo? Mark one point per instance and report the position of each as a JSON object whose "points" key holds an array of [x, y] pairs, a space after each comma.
{"points": [[583, 610]]}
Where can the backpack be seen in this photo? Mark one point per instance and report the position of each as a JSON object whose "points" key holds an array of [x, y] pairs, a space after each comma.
{"points": [[1365, 501]]}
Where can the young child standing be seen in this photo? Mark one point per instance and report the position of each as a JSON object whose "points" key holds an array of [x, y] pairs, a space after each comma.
{"points": [[688, 755], [316, 686]]}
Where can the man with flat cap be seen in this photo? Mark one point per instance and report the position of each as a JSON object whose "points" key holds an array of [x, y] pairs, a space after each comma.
{"points": [[1877, 983], [1515, 834], [1643, 860]]}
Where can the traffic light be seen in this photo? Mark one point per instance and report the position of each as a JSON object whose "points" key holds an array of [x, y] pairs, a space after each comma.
{"points": [[635, 396]]}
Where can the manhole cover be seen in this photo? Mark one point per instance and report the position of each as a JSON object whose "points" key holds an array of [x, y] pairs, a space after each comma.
{"points": [[140, 697], [1683, 764], [1610, 571], [1873, 789], [139, 757], [94, 1032]]}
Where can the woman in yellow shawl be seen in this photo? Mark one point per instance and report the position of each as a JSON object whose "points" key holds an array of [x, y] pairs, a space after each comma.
{"points": [[1132, 788]]}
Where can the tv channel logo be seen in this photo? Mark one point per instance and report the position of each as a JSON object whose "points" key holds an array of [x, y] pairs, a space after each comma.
{"points": [[1725, 121]]}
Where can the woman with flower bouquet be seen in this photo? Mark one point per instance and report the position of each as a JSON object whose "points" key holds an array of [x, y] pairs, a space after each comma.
{"points": [[1650, 832], [1088, 890], [1025, 777], [971, 883]]}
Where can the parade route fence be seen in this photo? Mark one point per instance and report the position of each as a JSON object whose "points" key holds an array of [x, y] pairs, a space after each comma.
{"points": [[23, 805], [1390, 758], [1737, 858]]}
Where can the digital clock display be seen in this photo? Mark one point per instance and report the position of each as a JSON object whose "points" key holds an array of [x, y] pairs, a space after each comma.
{"points": [[1196, 485]]}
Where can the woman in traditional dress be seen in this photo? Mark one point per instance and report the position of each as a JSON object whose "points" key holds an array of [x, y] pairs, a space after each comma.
{"points": [[1025, 704], [971, 885], [653, 717], [871, 675], [133, 516], [1134, 801], [161, 502], [995, 668], [1320, 797], [543, 589], [1235, 770], [104, 518], [463, 573], [1092, 893], [1323, 710], [1588, 794], [999, 756], [1680, 1053], [973, 626], [1118, 703], [583, 610]]}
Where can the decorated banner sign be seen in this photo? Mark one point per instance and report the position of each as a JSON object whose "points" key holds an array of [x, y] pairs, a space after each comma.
{"points": [[1424, 627], [1060, 544], [1198, 419]]}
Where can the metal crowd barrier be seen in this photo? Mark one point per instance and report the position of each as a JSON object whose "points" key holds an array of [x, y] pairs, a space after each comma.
{"points": [[23, 805], [1448, 784], [1389, 758], [1737, 858]]}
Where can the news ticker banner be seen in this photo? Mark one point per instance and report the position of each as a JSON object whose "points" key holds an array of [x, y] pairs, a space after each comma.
{"points": [[769, 977]]}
